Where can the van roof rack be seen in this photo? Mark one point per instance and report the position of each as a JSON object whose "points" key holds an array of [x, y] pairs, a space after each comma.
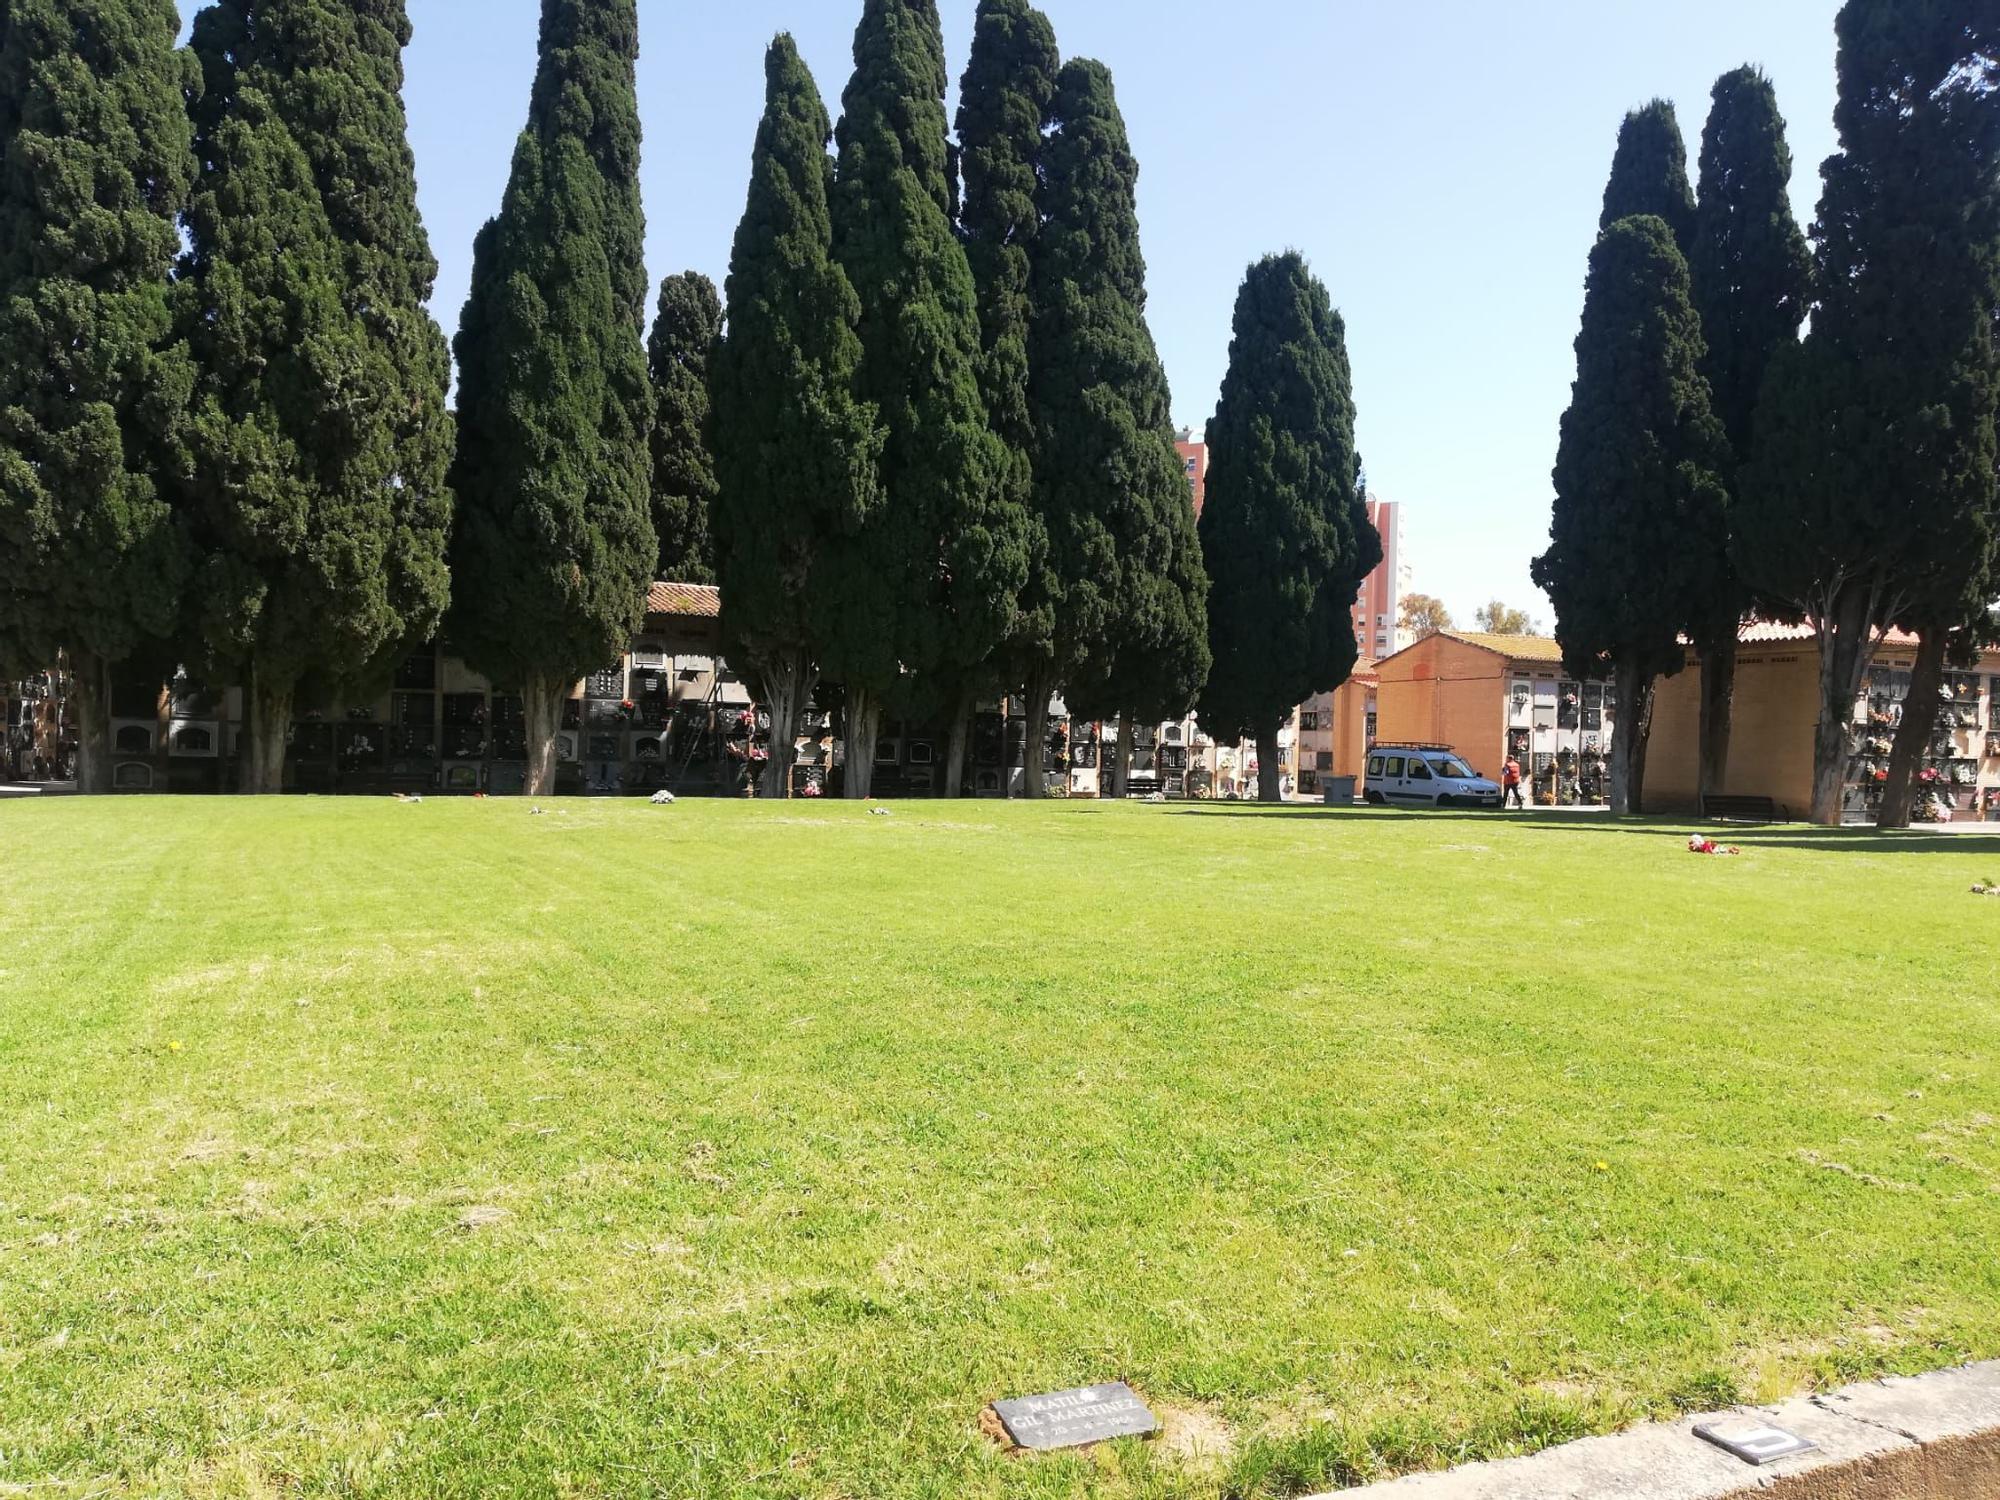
{"points": [[1405, 745]]}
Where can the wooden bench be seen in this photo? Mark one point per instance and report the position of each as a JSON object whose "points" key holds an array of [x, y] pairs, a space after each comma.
{"points": [[1739, 809]]}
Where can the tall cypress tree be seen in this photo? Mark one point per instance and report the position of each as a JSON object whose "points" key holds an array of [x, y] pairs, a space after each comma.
{"points": [[1649, 173], [1125, 572], [1954, 535], [555, 545], [1285, 530], [321, 436], [1869, 497], [1649, 176], [929, 586], [1752, 274], [795, 450], [685, 330], [358, 140], [1168, 658], [1005, 101], [96, 163], [1640, 501]]}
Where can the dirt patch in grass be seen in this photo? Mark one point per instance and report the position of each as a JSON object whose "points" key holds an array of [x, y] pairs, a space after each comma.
{"points": [[1196, 1435]]}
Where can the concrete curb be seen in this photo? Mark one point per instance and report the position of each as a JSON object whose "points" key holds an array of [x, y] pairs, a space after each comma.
{"points": [[1934, 1437]]}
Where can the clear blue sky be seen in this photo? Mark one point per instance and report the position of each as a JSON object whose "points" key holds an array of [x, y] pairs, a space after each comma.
{"points": [[1441, 165]]}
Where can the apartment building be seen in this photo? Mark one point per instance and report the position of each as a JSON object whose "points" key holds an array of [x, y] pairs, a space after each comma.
{"points": [[1194, 459], [1378, 611]]}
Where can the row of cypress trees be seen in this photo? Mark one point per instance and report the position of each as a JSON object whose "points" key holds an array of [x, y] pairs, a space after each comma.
{"points": [[929, 457], [1715, 465], [96, 168], [942, 431], [223, 429]]}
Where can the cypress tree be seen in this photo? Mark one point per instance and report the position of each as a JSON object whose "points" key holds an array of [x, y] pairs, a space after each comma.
{"points": [[358, 141], [685, 329], [321, 436], [928, 587], [1005, 101], [1285, 530], [1125, 571], [1954, 537], [795, 451], [1166, 661], [1640, 501], [1649, 173], [555, 545], [96, 163], [1649, 176], [1870, 493], [1752, 273]]}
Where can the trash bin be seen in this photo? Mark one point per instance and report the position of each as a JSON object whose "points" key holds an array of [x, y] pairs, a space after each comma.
{"points": [[1338, 791]]}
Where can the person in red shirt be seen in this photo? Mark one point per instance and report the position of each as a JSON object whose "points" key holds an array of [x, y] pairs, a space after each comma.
{"points": [[1510, 778]]}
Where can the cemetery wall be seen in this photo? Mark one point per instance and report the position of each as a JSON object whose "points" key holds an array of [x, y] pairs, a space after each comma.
{"points": [[1777, 715]]}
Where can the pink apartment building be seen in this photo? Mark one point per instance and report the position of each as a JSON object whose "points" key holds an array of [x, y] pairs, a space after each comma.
{"points": [[1378, 611], [1194, 457]]}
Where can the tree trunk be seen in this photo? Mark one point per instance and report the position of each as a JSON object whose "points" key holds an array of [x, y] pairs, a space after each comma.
{"points": [[1270, 773], [1628, 738], [788, 687], [1846, 641], [541, 705], [958, 745], [90, 681], [1718, 714], [1120, 762], [1913, 735], [1648, 696], [261, 766], [1035, 780], [864, 728]]}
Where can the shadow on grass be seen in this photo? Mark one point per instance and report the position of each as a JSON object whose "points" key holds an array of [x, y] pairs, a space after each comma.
{"points": [[1361, 814], [1744, 835]]}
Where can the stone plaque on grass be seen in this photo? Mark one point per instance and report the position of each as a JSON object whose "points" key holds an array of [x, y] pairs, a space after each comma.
{"points": [[1755, 1443], [1070, 1419]]}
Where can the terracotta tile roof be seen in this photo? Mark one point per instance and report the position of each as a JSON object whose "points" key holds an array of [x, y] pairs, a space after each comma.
{"points": [[1513, 647], [699, 601]]}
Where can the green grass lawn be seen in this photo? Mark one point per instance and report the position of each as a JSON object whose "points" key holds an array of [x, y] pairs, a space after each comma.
{"points": [[1355, 1142]]}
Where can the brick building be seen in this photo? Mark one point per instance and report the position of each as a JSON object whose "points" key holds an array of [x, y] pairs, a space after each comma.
{"points": [[1491, 696]]}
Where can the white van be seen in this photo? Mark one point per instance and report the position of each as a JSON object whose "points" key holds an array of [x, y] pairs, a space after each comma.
{"points": [[1425, 776]]}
